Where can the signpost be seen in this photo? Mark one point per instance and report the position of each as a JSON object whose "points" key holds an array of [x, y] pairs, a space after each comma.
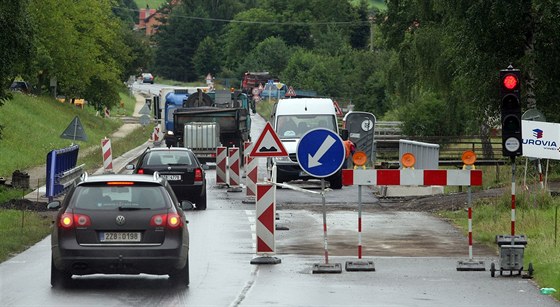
{"points": [[320, 153]]}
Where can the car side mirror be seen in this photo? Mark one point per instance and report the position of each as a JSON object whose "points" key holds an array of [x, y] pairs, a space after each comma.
{"points": [[129, 167], [187, 205], [55, 205]]}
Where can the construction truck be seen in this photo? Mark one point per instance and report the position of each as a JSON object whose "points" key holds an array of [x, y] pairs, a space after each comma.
{"points": [[208, 120]]}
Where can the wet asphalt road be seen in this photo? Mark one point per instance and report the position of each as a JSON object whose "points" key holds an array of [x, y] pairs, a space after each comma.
{"points": [[415, 256]]}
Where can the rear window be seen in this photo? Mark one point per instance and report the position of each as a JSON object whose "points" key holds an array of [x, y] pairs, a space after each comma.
{"points": [[105, 197], [158, 158]]}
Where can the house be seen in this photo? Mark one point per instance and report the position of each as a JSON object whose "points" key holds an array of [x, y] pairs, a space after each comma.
{"points": [[150, 19]]}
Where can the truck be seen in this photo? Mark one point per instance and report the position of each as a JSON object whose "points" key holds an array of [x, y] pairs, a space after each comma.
{"points": [[293, 117], [172, 100], [208, 120], [252, 80]]}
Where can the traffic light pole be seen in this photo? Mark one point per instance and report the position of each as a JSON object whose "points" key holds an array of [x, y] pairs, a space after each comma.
{"points": [[513, 196]]}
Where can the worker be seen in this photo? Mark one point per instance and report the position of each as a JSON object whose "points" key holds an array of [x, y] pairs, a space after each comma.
{"points": [[349, 149], [170, 139]]}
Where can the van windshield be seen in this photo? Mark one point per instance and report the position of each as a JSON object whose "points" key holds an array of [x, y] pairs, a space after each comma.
{"points": [[295, 126]]}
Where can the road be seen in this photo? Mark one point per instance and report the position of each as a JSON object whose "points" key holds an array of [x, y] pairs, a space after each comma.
{"points": [[415, 256]]}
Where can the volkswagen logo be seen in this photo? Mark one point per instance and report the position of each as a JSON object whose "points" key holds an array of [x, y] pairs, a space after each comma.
{"points": [[120, 220], [169, 168]]}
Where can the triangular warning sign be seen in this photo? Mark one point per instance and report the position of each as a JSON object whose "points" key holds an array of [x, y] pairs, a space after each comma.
{"points": [[268, 144], [75, 131], [145, 109], [290, 92]]}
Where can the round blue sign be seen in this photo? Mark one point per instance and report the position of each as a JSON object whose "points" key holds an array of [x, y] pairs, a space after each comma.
{"points": [[320, 152]]}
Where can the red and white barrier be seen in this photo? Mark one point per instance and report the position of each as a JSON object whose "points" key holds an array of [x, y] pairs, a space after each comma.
{"points": [[221, 163], [234, 163], [156, 134], [251, 179], [107, 155], [246, 151], [412, 177], [266, 218]]}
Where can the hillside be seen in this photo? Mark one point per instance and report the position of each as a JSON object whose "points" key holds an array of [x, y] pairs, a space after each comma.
{"points": [[33, 125]]}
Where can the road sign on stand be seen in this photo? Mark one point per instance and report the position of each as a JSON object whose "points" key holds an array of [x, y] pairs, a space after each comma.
{"points": [[320, 152], [268, 144], [290, 92]]}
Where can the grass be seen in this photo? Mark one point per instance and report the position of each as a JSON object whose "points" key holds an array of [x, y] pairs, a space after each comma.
{"points": [[20, 230], [154, 4], [536, 217], [37, 123], [264, 108], [27, 113]]}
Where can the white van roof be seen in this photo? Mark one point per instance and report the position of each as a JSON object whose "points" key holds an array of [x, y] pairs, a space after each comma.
{"points": [[290, 106]]}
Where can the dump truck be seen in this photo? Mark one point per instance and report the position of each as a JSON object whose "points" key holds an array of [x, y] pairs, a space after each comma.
{"points": [[208, 120]]}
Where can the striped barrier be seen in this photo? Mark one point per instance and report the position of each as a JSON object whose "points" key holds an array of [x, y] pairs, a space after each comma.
{"points": [[221, 163], [412, 177], [265, 224], [251, 179], [246, 151], [107, 155], [233, 163]]}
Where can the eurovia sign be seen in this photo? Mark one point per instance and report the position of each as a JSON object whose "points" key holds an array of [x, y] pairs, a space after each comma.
{"points": [[541, 139]]}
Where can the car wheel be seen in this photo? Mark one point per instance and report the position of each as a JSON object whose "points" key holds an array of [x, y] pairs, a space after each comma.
{"points": [[181, 276], [59, 278], [201, 203]]}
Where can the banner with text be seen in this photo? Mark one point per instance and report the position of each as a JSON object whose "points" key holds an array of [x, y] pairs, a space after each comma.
{"points": [[541, 139]]}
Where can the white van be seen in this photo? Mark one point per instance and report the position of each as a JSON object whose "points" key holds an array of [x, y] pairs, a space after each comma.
{"points": [[291, 119]]}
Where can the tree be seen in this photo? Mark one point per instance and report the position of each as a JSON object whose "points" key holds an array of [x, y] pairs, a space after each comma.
{"points": [[207, 57], [271, 55], [76, 42], [15, 44], [177, 42]]}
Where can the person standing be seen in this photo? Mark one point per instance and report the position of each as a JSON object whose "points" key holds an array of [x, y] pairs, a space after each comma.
{"points": [[349, 149]]}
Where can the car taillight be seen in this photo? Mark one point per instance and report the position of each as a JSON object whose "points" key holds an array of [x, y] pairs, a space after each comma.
{"points": [[140, 171], [69, 220], [170, 220], [197, 174]]}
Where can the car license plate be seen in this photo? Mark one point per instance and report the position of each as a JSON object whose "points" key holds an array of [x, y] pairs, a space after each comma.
{"points": [[172, 177], [119, 237]]}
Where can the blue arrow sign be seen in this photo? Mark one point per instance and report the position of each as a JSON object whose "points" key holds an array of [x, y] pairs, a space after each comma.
{"points": [[320, 152]]}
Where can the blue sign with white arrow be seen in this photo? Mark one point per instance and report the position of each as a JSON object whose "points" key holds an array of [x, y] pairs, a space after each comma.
{"points": [[320, 152]]}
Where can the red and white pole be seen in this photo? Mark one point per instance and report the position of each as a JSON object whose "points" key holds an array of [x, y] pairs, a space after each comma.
{"points": [[107, 155], [513, 196], [221, 163], [359, 222], [234, 164], [540, 174], [470, 226]]}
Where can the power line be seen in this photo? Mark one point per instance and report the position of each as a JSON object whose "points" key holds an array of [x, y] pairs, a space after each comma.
{"points": [[287, 23]]}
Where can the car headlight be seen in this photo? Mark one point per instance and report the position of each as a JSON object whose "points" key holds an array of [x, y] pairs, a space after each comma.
{"points": [[282, 159]]}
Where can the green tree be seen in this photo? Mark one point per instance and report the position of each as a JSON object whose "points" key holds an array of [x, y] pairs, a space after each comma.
{"points": [[15, 44], [177, 42], [207, 57], [76, 42], [271, 55]]}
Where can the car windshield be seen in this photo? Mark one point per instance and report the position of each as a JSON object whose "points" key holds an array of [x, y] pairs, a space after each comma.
{"points": [[291, 126], [132, 197], [169, 158]]}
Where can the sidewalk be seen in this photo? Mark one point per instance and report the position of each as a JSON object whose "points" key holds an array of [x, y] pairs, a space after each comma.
{"points": [[38, 175]]}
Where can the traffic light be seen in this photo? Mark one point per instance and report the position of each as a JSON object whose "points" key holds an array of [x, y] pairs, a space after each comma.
{"points": [[510, 96]]}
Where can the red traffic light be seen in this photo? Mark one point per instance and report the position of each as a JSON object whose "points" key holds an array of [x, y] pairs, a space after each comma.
{"points": [[510, 81]]}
